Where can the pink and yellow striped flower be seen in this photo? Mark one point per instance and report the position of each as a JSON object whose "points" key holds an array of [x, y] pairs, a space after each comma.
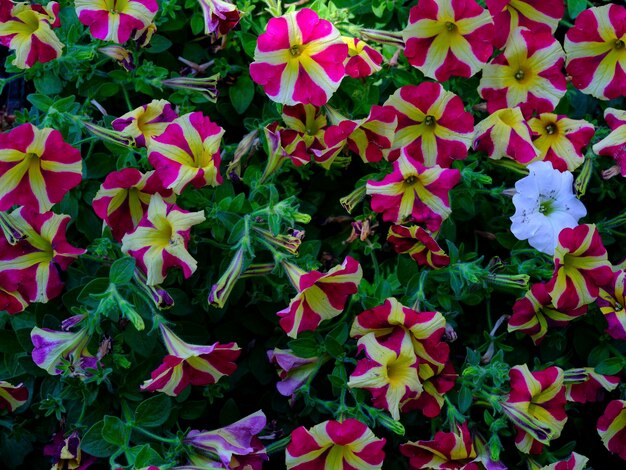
{"points": [[612, 300], [188, 151], [331, 445], [596, 51], [306, 123], [536, 15], [10, 298], [446, 38], [533, 313], [612, 427], [28, 31], [12, 396], [160, 240], [433, 126], [581, 267], [389, 371], [220, 16], [574, 462], [192, 364], [145, 122], [614, 144], [536, 406], [435, 385], [528, 74], [362, 60], [448, 450], [505, 133], [299, 59], [560, 140], [123, 199], [115, 20], [37, 167], [412, 192], [584, 385], [320, 296], [34, 264], [419, 244]]}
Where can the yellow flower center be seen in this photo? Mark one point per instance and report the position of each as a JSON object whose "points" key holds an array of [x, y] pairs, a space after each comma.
{"points": [[619, 44], [450, 26], [430, 120], [508, 117], [410, 180], [296, 50], [551, 129], [519, 75]]}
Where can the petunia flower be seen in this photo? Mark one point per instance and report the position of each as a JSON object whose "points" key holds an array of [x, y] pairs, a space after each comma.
{"points": [[612, 428], [574, 462], [145, 122], [584, 385], [448, 38], [447, 450], [560, 140], [231, 444], [536, 15], [303, 123], [122, 56], [389, 371], [595, 49], [188, 151], [581, 267], [419, 244], [545, 204], [67, 454], [362, 60], [115, 20], [123, 199], [293, 371], [190, 364], [11, 299], [34, 264], [611, 301], [433, 126], [160, 240], [614, 144], [536, 406], [435, 385], [12, 396], [220, 16], [413, 192], [28, 31], [527, 74], [321, 296], [37, 168], [505, 133], [334, 444], [220, 291], [52, 347], [299, 59]]}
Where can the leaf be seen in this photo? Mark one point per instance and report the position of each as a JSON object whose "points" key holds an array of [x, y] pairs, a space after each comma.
{"points": [[40, 101], [465, 399], [122, 270], [610, 366], [154, 411], [576, 7], [94, 444], [114, 431], [304, 347], [158, 44], [241, 93]]}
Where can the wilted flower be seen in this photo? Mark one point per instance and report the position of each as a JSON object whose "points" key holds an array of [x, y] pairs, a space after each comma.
{"points": [[293, 371], [419, 244], [190, 364], [38, 167], [28, 31], [51, 348], [12, 396], [67, 454], [584, 385], [146, 121], [612, 427], [445, 39], [122, 56], [115, 20], [188, 151], [160, 240], [109, 135], [334, 444], [224, 286], [299, 59], [433, 126], [362, 60], [545, 204], [614, 144], [595, 52], [612, 303], [528, 74], [144, 36], [207, 86], [413, 192], [321, 296], [560, 140], [220, 16], [446, 451]]}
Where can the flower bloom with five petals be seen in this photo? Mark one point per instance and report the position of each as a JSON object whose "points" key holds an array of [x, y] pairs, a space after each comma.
{"points": [[124, 196], [612, 303], [52, 348], [188, 151], [160, 240], [321, 296], [612, 427], [433, 126], [362, 60], [536, 405], [115, 20], [190, 364], [12, 396], [560, 140], [220, 16], [419, 244], [146, 121], [614, 144], [596, 51], [37, 167], [446, 38], [28, 31], [528, 74], [331, 445], [584, 384], [413, 192], [299, 59]]}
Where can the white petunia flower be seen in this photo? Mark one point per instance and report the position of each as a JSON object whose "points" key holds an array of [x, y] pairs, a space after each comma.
{"points": [[544, 205]]}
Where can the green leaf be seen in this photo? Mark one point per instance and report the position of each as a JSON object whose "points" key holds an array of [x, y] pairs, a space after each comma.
{"points": [[158, 44], [40, 101], [94, 444], [146, 456], [610, 366], [241, 93], [465, 399], [49, 84], [122, 270], [576, 7], [114, 431], [304, 347], [154, 411]]}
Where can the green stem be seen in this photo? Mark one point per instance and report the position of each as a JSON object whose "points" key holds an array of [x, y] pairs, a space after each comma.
{"points": [[127, 98], [167, 440], [277, 446]]}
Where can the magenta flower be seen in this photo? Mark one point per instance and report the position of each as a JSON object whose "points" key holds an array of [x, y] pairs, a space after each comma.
{"points": [[66, 453], [12, 396], [145, 122], [220, 16], [362, 60]]}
